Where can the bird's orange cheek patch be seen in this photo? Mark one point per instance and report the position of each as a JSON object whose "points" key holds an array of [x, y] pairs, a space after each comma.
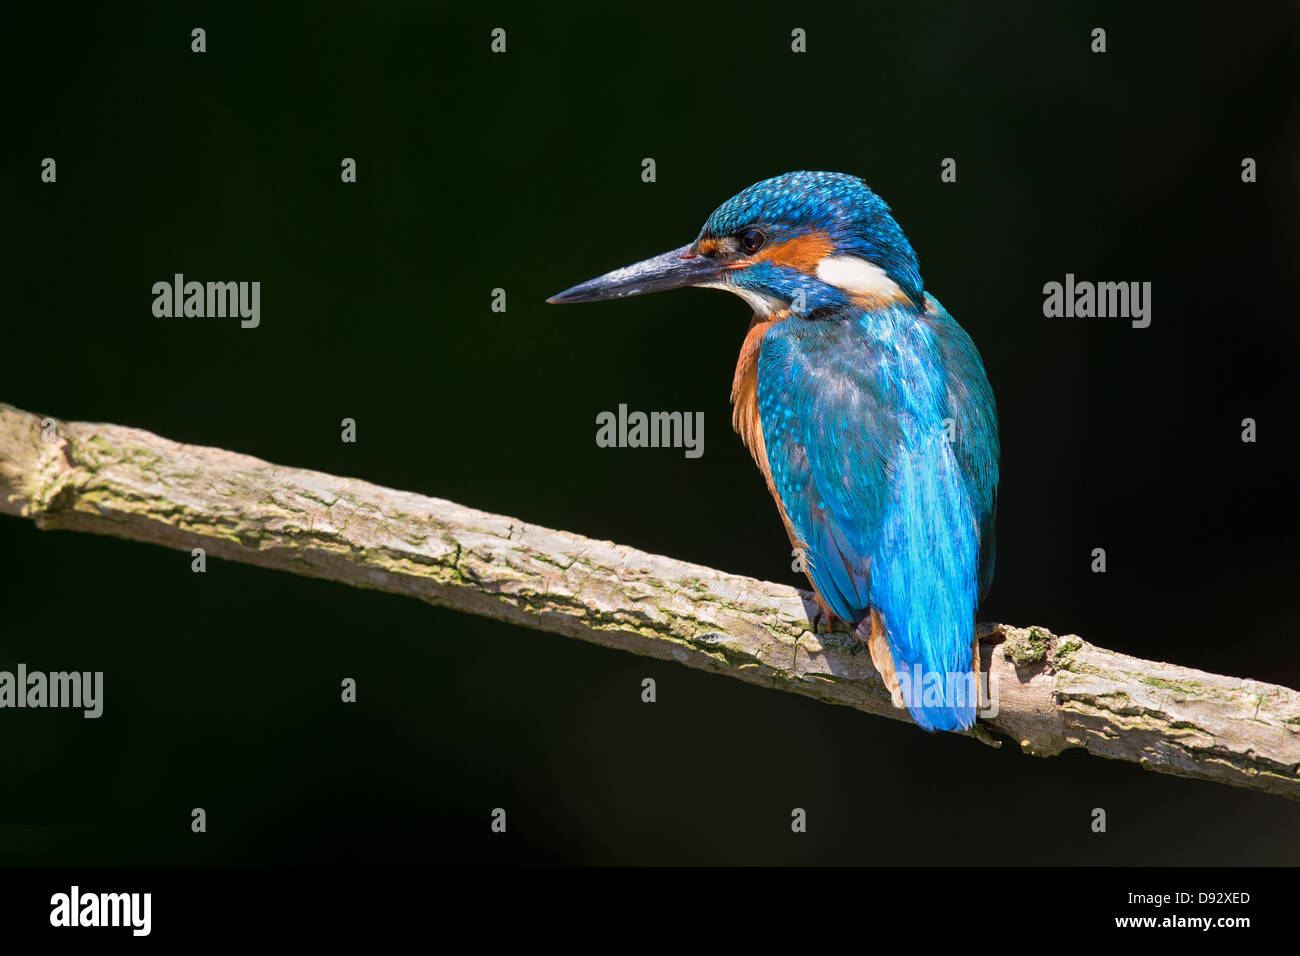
{"points": [[801, 252]]}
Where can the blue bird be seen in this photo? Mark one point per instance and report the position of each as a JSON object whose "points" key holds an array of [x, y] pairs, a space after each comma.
{"points": [[867, 408]]}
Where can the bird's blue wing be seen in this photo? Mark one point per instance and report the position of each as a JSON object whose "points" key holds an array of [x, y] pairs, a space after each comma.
{"points": [[825, 423], [886, 500], [975, 431]]}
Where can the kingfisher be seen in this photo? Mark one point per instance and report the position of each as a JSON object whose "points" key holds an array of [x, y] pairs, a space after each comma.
{"points": [[868, 411]]}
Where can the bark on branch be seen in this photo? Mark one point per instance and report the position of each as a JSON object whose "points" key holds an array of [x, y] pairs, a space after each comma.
{"points": [[1053, 692]]}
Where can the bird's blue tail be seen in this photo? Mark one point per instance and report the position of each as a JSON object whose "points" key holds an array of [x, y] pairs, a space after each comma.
{"points": [[924, 583]]}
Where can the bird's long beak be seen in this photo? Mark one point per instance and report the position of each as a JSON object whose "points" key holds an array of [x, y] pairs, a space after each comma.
{"points": [[672, 270]]}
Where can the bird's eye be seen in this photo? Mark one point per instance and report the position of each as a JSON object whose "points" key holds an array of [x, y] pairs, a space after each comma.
{"points": [[751, 240]]}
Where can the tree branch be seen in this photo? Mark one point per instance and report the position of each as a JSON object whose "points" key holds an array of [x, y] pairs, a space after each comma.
{"points": [[1052, 692]]}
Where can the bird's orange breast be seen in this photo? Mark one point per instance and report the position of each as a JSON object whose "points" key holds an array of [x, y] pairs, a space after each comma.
{"points": [[744, 407], [744, 393]]}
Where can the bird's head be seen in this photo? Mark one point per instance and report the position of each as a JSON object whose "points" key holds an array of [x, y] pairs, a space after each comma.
{"points": [[804, 241]]}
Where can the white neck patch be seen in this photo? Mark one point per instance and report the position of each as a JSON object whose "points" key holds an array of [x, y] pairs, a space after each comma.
{"points": [[857, 276], [762, 304]]}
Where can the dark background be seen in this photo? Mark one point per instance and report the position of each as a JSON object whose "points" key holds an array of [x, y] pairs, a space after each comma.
{"points": [[523, 171]]}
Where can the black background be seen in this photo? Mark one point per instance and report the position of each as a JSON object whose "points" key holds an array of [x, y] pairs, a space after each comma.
{"points": [[522, 171]]}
